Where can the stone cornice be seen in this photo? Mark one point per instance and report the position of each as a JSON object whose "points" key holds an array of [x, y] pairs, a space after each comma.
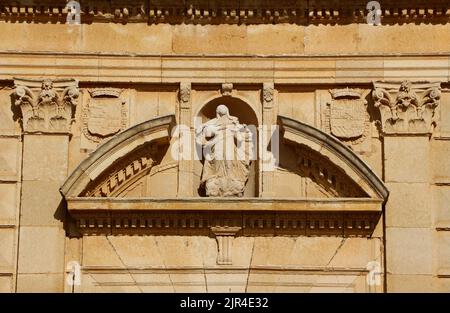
{"points": [[225, 12], [97, 204], [201, 216], [294, 69]]}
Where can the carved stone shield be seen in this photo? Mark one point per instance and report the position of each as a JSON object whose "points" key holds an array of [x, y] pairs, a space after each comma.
{"points": [[347, 117], [105, 116]]}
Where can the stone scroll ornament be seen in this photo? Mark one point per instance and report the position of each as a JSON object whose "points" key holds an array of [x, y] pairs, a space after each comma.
{"points": [[227, 147], [46, 105], [407, 107]]}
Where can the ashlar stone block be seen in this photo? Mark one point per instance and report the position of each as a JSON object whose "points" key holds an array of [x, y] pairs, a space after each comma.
{"points": [[409, 251]]}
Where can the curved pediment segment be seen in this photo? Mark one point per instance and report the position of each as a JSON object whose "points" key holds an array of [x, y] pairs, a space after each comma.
{"points": [[311, 140], [312, 175], [139, 139]]}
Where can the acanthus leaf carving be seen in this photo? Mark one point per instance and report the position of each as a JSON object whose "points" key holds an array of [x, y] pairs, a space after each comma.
{"points": [[46, 105], [407, 107]]}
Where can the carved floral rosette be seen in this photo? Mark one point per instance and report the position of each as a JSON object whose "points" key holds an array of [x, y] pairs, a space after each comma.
{"points": [[104, 115], [46, 105], [407, 107], [346, 116]]}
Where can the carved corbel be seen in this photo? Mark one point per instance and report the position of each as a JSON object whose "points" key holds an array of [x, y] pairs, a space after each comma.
{"points": [[406, 107], [268, 91], [224, 236], [46, 105], [227, 89], [185, 95]]}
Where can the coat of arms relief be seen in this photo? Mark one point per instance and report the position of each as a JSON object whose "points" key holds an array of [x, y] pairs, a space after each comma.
{"points": [[104, 115], [346, 116]]}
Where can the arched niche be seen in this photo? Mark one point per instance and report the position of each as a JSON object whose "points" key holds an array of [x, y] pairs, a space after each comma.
{"points": [[246, 115], [237, 107]]}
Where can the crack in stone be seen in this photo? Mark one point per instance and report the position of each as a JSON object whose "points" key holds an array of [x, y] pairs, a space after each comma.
{"points": [[337, 251], [123, 263], [164, 263], [250, 265]]}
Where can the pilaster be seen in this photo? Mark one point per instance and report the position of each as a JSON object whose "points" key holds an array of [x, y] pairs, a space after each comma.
{"points": [[47, 108], [407, 113], [185, 169], [269, 123]]}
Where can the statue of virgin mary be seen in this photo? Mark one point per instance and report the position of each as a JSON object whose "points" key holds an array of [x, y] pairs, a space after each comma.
{"points": [[227, 147]]}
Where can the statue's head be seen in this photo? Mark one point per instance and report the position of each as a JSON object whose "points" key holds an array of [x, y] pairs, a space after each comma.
{"points": [[221, 110]]}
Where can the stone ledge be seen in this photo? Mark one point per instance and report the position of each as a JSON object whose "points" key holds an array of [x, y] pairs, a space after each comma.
{"points": [[443, 226], [305, 270], [223, 204], [298, 69], [198, 216], [443, 272]]}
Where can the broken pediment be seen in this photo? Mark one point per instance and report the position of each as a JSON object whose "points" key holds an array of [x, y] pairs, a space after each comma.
{"points": [[111, 192], [126, 155]]}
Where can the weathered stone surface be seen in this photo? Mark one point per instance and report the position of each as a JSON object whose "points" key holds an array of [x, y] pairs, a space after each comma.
{"points": [[9, 158], [45, 283], [8, 205], [8, 122], [411, 283], [40, 250], [440, 150], [409, 251], [297, 105], [410, 205], [98, 251], [443, 259], [444, 121], [40, 163], [6, 284], [8, 251], [365, 127], [406, 159], [441, 197], [42, 203]]}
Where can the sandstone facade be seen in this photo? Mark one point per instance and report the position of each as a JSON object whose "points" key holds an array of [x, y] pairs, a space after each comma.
{"points": [[100, 190]]}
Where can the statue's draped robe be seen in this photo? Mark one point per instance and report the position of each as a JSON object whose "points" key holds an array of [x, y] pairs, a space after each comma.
{"points": [[225, 169]]}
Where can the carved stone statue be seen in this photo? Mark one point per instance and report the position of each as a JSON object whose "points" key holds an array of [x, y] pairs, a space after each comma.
{"points": [[227, 147]]}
